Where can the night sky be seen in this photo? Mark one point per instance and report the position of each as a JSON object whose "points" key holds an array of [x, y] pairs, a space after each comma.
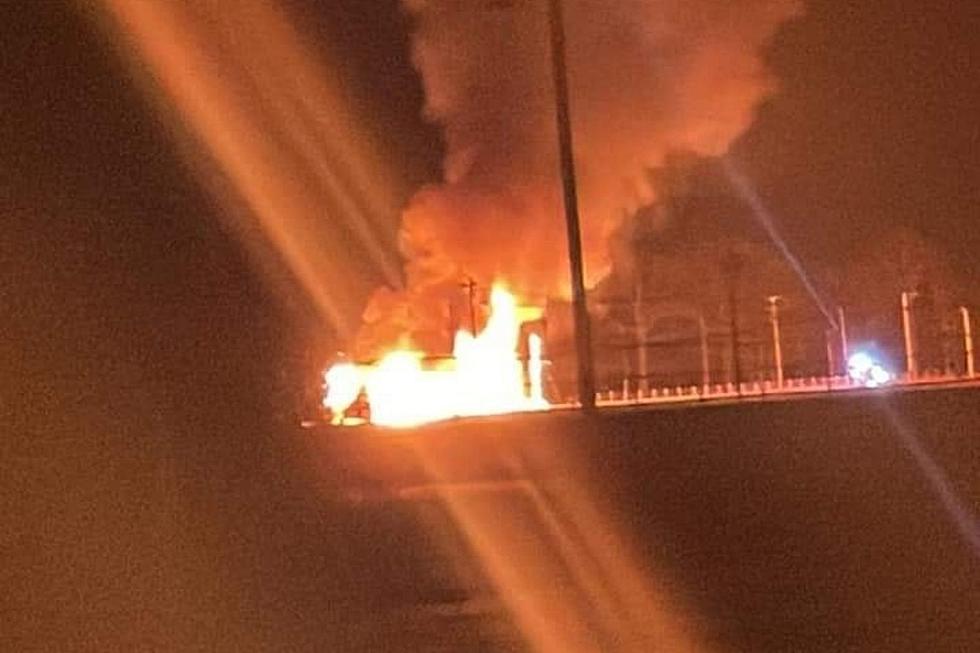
{"points": [[134, 329], [876, 122], [875, 125]]}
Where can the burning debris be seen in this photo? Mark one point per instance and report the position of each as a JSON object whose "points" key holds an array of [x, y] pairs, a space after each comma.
{"points": [[484, 376]]}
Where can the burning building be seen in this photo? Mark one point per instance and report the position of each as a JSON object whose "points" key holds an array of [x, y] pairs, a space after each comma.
{"points": [[646, 79]]}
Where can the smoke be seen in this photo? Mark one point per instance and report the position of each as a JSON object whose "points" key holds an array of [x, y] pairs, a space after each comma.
{"points": [[647, 78]]}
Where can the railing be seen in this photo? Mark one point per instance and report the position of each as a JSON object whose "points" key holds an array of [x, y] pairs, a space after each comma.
{"points": [[628, 395]]}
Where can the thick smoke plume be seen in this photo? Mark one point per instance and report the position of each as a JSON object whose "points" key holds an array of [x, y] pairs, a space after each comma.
{"points": [[647, 78]]}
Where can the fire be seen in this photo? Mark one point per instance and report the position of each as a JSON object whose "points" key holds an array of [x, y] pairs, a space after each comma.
{"points": [[343, 383], [485, 376]]}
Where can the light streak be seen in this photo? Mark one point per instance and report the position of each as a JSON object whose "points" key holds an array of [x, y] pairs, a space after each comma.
{"points": [[765, 218]]}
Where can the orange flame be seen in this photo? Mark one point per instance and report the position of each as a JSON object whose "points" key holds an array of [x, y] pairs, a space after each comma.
{"points": [[484, 376]]}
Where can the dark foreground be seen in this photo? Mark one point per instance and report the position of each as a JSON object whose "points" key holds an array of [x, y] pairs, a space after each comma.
{"points": [[817, 525], [788, 526]]}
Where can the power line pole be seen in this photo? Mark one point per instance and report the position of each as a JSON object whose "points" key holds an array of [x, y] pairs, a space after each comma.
{"points": [[732, 270], [640, 321], [580, 311], [971, 370], [842, 328], [910, 363], [777, 345], [830, 358]]}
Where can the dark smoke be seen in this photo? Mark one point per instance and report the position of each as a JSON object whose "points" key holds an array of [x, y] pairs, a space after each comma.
{"points": [[647, 78]]}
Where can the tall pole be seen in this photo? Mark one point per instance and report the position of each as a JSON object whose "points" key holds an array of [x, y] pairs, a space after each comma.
{"points": [[777, 345], [971, 370], [639, 318], [583, 337], [732, 270], [910, 364], [842, 329], [705, 364]]}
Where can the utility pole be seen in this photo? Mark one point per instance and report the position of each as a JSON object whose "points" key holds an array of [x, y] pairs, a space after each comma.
{"points": [[732, 270], [705, 369], [971, 370], [640, 320], [830, 358], [842, 329], [580, 311], [910, 363], [777, 345]]}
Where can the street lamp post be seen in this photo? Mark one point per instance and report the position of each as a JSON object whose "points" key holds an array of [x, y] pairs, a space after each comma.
{"points": [[580, 311], [777, 345]]}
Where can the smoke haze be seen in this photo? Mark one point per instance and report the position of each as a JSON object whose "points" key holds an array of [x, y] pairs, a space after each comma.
{"points": [[647, 78]]}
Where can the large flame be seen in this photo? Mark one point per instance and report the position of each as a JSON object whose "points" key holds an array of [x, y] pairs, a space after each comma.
{"points": [[485, 376]]}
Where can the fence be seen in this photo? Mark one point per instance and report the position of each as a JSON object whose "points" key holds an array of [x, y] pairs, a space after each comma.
{"points": [[776, 350]]}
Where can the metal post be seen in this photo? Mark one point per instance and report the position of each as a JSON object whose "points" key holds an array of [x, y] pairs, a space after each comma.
{"points": [[777, 345], [732, 269], [910, 363], [583, 338], [971, 370], [705, 369], [733, 317], [842, 329], [639, 318]]}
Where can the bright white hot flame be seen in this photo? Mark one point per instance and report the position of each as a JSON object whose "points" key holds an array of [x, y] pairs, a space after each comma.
{"points": [[343, 383], [401, 393], [484, 376]]}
